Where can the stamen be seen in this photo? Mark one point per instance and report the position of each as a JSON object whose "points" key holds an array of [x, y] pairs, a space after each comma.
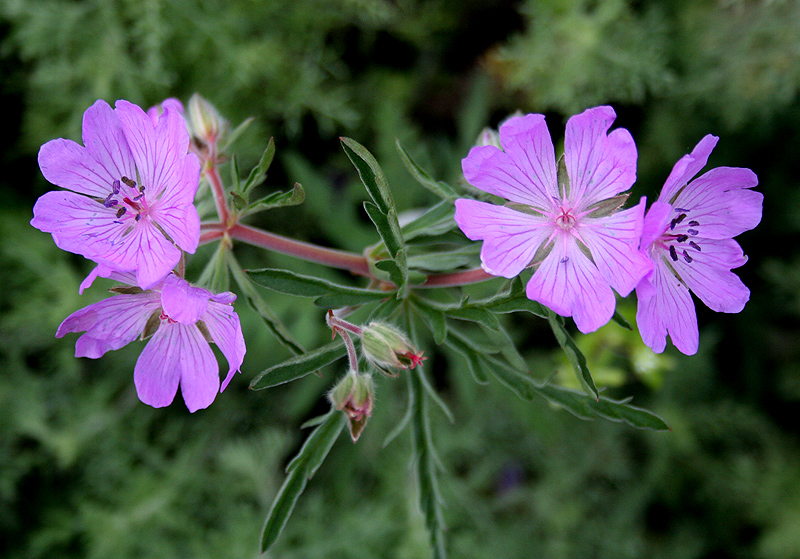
{"points": [[682, 238], [687, 257], [109, 202], [692, 232], [680, 218], [129, 182], [138, 217], [673, 253], [121, 212], [682, 210], [115, 186], [695, 246], [692, 223], [565, 260]]}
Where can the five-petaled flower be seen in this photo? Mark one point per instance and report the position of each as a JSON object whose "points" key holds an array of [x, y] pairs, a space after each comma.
{"points": [[688, 233], [179, 320], [130, 192], [561, 217]]}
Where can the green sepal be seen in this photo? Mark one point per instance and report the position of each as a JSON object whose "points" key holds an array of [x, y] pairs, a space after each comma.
{"points": [[291, 283], [440, 189], [216, 275], [608, 206], [299, 366], [563, 177], [619, 319], [574, 354], [300, 470]]}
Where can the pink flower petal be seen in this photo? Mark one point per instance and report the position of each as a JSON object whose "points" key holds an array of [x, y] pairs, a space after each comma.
{"points": [[177, 354], [669, 310], [722, 202], [511, 238], [226, 331], [105, 141], [655, 223], [109, 324], [614, 244], [183, 302], [68, 165], [568, 283], [708, 275], [525, 172], [687, 167], [599, 166]]}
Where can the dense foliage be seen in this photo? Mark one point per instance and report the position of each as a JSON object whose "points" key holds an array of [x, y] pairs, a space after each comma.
{"points": [[86, 470]]}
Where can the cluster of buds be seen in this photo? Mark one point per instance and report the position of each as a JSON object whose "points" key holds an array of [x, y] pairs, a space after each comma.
{"points": [[382, 345]]}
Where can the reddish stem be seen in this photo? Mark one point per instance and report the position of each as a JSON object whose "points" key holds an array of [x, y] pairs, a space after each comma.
{"points": [[216, 184]]}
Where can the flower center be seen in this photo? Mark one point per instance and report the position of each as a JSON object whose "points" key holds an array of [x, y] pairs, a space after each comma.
{"points": [[679, 238], [133, 204], [565, 220]]}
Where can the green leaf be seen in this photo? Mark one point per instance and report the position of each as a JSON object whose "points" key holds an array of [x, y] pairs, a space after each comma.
{"points": [[388, 228], [233, 135], [474, 358], [299, 366], [396, 274], [440, 189], [216, 275], [476, 314], [574, 401], [574, 354], [441, 261], [259, 173], [370, 173], [278, 199], [430, 500], [434, 320], [300, 470], [434, 222], [285, 281], [258, 304]]}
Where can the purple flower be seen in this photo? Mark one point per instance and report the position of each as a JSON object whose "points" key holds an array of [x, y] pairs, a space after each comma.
{"points": [[130, 192], [179, 321], [688, 233], [561, 218]]}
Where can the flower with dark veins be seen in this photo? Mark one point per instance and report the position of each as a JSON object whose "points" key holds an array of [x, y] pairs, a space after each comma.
{"points": [[129, 203], [688, 234]]}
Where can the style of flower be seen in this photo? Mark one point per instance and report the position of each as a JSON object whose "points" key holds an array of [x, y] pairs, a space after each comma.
{"points": [[561, 217], [130, 192], [688, 233], [179, 321]]}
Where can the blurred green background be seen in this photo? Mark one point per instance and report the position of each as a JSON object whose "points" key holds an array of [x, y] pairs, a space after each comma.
{"points": [[86, 470]]}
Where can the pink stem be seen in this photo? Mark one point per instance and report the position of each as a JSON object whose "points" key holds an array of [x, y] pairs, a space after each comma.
{"points": [[216, 184]]}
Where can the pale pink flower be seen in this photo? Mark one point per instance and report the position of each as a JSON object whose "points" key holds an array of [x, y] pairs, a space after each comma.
{"points": [[179, 320], [688, 233], [129, 203], [563, 223]]}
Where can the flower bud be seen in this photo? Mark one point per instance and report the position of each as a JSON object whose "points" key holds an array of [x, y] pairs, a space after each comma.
{"points": [[489, 137], [354, 395], [386, 347], [206, 125]]}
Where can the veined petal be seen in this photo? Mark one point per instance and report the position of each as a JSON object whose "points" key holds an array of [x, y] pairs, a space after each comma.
{"points": [[183, 302], [177, 354], [511, 238], [655, 223], [599, 166], [106, 143], [669, 310], [158, 150], [568, 283], [722, 202], [495, 172], [109, 324], [708, 275], [614, 244], [226, 331], [68, 165], [687, 167], [176, 214]]}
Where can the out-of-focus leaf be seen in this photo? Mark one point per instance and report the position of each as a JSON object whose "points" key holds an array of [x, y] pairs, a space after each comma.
{"points": [[435, 221], [300, 470], [440, 189], [619, 319], [574, 354], [299, 366], [259, 173]]}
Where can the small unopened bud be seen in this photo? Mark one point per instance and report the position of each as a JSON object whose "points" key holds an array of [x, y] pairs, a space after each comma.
{"points": [[387, 348], [489, 137], [354, 395], [206, 125]]}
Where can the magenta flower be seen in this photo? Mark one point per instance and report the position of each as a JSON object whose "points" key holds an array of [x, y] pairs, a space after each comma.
{"points": [[688, 233], [559, 219], [130, 192], [179, 321]]}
